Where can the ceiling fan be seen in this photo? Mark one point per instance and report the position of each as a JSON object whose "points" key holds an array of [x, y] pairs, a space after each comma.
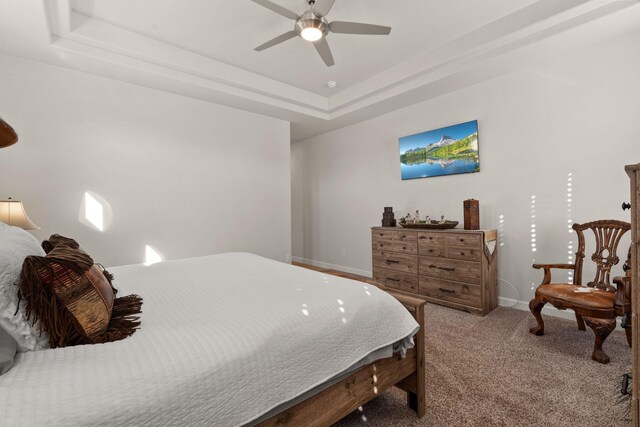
{"points": [[314, 27]]}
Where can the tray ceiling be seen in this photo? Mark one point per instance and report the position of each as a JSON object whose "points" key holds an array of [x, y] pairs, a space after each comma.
{"points": [[229, 30], [204, 48]]}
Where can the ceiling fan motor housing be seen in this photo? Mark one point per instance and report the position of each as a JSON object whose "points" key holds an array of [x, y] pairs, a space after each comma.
{"points": [[312, 20]]}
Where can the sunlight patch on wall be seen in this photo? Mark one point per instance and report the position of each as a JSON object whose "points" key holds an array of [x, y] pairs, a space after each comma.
{"points": [[533, 224], [152, 255], [95, 212], [570, 224], [501, 230], [532, 233]]}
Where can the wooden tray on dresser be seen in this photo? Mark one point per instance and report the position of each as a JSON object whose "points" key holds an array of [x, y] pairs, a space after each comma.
{"points": [[438, 226]]}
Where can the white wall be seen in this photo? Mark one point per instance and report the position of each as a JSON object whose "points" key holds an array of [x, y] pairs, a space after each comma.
{"points": [[185, 176], [576, 114]]}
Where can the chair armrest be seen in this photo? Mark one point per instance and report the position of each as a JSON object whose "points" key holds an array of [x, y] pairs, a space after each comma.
{"points": [[547, 270], [623, 295], [562, 266]]}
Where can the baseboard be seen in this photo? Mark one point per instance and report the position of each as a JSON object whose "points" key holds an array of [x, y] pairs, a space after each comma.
{"points": [[524, 306], [548, 309], [332, 266], [502, 301]]}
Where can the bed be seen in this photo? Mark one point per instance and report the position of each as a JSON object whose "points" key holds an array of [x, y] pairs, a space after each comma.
{"points": [[230, 339]]}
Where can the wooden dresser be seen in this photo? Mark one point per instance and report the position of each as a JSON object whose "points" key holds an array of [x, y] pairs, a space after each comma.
{"points": [[634, 176], [456, 268]]}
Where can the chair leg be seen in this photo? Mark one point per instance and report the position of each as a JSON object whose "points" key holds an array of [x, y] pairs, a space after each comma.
{"points": [[601, 328], [580, 322], [627, 331], [535, 306]]}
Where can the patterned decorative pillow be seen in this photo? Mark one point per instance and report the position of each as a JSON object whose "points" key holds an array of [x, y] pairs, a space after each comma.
{"points": [[58, 240], [73, 298]]}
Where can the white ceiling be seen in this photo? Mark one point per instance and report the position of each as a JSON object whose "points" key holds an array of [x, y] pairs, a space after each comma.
{"points": [[204, 48], [229, 30]]}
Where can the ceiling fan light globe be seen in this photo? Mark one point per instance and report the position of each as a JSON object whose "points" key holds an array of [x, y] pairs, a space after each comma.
{"points": [[311, 34], [311, 27]]}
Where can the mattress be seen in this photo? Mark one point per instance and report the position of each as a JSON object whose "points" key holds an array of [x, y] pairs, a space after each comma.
{"points": [[224, 340]]}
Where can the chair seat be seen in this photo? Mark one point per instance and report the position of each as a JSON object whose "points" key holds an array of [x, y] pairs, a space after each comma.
{"points": [[565, 292]]}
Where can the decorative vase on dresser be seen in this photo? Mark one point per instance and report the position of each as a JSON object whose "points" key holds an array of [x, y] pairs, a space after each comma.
{"points": [[634, 175], [456, 268]]}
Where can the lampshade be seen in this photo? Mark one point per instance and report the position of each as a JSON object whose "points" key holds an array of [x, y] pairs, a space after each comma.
{"points": [[7, 135], [12, 213]]}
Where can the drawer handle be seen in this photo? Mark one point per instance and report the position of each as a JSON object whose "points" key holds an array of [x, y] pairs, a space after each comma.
{"points": [[393, 280], [441, 268], [461, 253], [446, 290], [404, 247], [422, 237], [392, 261], [462, 240]]}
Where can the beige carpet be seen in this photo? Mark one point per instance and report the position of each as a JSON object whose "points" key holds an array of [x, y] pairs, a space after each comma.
{"points": [[490, 371]]}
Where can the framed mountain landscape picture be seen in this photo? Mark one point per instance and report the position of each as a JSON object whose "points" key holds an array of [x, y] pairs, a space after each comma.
{"points": [[445, 151]]}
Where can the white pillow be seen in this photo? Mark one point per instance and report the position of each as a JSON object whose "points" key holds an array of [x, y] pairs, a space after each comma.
{"points": [[8, 350], [15, 245]]}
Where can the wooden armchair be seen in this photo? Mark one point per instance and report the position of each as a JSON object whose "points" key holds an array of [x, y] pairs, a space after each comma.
{"points": [[599, 303]]}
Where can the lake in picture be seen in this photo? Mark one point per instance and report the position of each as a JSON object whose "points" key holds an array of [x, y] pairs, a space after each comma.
{"points": [[445, 151]]}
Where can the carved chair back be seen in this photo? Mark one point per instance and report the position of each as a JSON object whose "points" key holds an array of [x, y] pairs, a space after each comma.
{"points": [[607, 235]]}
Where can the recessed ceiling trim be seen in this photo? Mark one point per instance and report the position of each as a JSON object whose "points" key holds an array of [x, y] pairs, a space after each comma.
{"points": [[528, 25], [108, 49], [58, 17], [68, 46], [91, 32], [106, 36]]}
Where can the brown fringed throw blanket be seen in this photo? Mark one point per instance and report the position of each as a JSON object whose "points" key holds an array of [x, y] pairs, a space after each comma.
{"points": [[73, 297]]}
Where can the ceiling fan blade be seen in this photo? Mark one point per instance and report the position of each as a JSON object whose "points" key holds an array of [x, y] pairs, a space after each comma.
{"points": [[281, 38], [277, 9], [325, 52], [357, 28], [323, 7]]}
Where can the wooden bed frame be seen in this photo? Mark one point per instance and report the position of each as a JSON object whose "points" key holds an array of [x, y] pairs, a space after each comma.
{"points": [[344, 397]]}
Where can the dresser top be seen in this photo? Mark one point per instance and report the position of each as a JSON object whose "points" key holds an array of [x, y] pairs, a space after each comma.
{"points": [[430, 230]]}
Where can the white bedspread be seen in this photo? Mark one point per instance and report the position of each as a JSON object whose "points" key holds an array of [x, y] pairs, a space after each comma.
{"points": [[224, 338]]}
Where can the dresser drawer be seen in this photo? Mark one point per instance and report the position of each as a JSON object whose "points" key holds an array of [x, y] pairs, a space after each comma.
{"points": [[463, 253], [394, 236], [429, 238], [407, 247], [469, 240], [396, 279], [431, 250], [446, 290], [395, 261], [456, 270]]}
